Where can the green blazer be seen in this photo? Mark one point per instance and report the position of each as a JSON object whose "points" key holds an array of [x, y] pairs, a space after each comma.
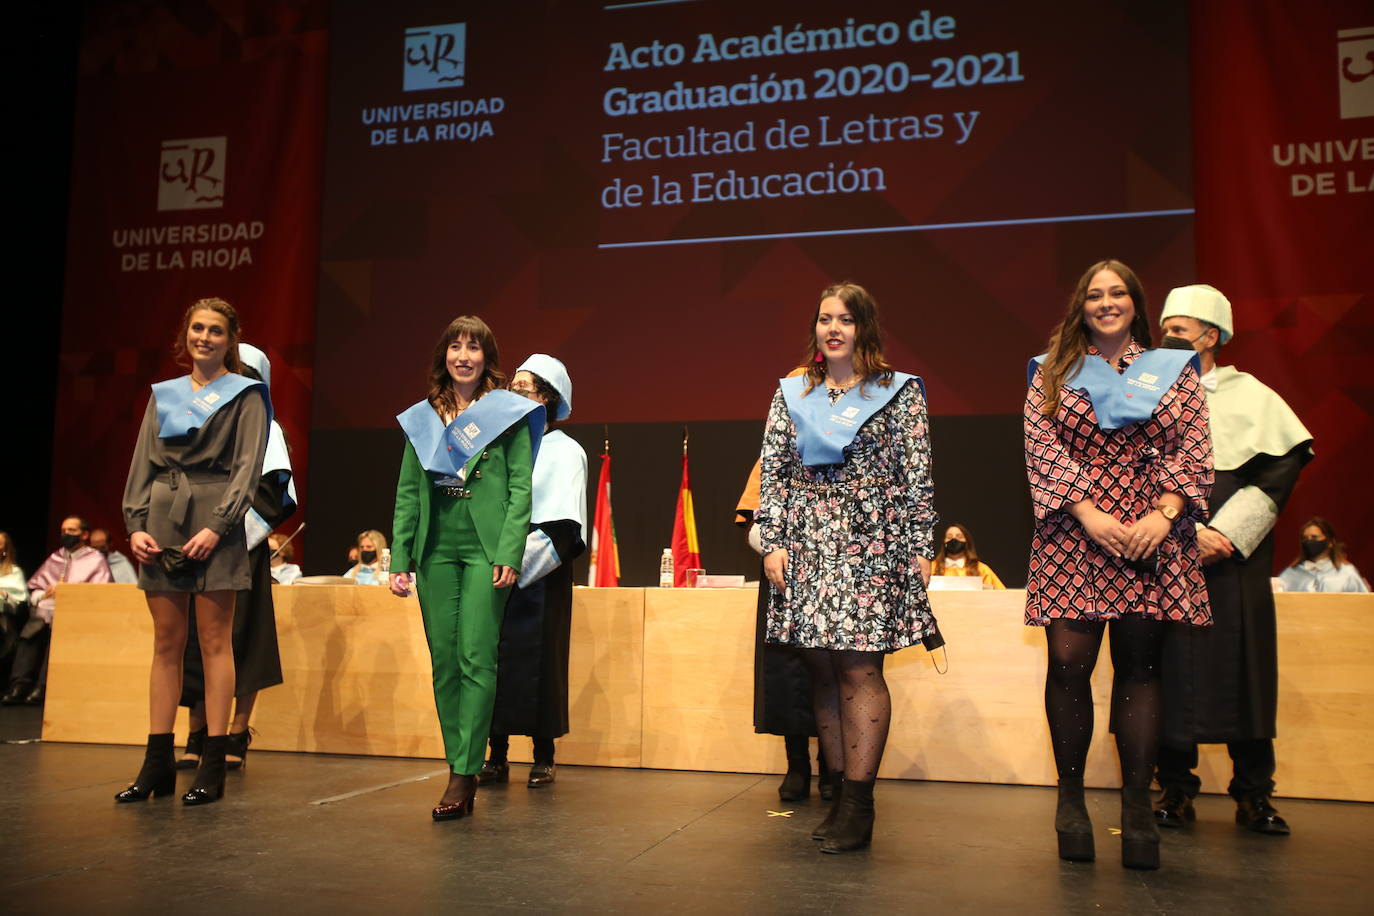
{"points": [[499, 480]]}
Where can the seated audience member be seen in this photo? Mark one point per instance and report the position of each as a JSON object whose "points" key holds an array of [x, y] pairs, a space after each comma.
{"points": [[74, 561], [15, 594], [284, 572], [958, 557], [1322, 565], [120, 566], [368, 569]]}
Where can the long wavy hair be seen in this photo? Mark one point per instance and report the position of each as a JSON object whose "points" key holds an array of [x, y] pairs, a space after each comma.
{"points": [[231, 322], [1336, 547], [441, 394], [937, 566], [1070, 341], [869, 363]]}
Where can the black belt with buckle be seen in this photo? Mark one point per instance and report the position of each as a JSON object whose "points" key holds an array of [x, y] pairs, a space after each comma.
{"points": [[455, 492]]}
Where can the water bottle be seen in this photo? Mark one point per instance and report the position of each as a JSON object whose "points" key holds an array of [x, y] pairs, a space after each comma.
{"points": [[665, 569], [386, 561]]}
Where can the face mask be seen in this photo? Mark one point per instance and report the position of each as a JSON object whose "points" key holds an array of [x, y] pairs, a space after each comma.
{"points": [[954, 546], [368, 557], [71, 541], [1171, 342], [1313, 547]]}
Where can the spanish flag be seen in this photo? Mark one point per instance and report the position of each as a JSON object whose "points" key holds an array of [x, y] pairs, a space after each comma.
{"points": [[604, 570], [686, 549]]}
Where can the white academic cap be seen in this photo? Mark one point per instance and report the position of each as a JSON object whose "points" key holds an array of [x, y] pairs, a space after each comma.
{"points": [[1200, 301], [556, 374], [255, 359]]}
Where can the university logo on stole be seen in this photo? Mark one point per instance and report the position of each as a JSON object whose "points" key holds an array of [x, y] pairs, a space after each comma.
{"points": [[1355, 72], [190, 174], [435, 56]]}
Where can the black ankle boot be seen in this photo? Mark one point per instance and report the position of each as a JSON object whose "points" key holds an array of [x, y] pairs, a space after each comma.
{"points": [[158, 776], [853, 826], [827, 780], [1071, 822], [1139, 832], [195, 744], [823, 828], [796, 785], [209, 784]]}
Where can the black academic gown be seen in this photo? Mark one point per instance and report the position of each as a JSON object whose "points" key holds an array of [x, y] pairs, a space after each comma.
{"points": [[257, 663], [532, 673], [1221, 682], [782, 683]]}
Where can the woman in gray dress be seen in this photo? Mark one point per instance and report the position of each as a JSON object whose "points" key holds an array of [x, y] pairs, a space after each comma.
{"points": [[192, 479]]}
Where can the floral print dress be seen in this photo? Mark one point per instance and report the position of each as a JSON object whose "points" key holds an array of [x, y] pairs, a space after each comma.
{"points": [[1124, 471], [852, 531]]}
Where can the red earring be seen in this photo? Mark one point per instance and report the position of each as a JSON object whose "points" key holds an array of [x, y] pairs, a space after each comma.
{"points": [[819, 358]]}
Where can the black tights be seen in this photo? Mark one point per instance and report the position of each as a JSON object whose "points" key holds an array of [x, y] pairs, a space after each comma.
{"points": [[853, 709], [500, 747], [1136, 694]]}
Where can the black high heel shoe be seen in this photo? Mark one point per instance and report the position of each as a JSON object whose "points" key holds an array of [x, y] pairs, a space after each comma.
{"points": [[209, 784], [158, 775], [238, 747], [1072, 824], [462, 807], [195, 744]]}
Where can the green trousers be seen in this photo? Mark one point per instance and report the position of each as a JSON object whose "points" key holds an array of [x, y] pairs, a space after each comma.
{"points": [[462, 614]]}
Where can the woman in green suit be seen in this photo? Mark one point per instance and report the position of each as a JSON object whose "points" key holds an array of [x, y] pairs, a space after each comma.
{"points": [[462, 514]]}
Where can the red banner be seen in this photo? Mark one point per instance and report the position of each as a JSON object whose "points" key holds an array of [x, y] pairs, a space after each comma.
{"points": [[196, 172], [1283, 118]]}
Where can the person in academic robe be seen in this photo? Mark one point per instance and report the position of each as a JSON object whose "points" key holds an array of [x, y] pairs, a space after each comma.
{"points": [[462, 520], [74, 561], [121, 569], [257, 661], [532, 673], [195, 471], [284, 568], [782, 683], [958, 556], [1221, 684], [14, 592], [845, 521], [1119, 461], [1321, 564]]}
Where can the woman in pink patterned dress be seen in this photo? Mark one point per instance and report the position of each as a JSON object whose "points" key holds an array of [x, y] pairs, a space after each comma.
{"points": [[1120, 465]]}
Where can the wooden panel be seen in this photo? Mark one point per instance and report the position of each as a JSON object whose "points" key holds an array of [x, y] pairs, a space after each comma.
{"points": [[664, 678]]}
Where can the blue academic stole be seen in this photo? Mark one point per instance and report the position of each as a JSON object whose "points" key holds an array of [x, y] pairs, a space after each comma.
{"points": [[825, 430], [181, 410], [1132, 395], [445, 450]]}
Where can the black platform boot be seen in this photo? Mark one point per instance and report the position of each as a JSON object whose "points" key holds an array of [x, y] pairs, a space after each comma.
{"points": [[158, 776], [796, 785], [209, 784], [1139, 831], [853, 825], [823, 828], [1071, 822]]}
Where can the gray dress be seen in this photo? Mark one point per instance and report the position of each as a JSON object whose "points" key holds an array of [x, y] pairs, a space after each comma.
{"points": [[205, 479]]}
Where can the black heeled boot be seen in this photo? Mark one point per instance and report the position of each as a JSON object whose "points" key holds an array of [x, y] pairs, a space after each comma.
{"points": [[827, 780], [237, 746], [1072, 824], [796, 785], [853, 825], [158, 775], [209, 784], [1139, 831], [195, 744], [823, 828]]}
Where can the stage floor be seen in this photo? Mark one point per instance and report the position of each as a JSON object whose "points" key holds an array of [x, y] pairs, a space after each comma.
{"points": [[307, 833]]}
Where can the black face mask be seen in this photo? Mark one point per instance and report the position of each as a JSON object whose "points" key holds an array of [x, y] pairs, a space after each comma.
{"points": [[1313, 547], [954, 546], [71, 541], [368, 557], [1171, 342]]}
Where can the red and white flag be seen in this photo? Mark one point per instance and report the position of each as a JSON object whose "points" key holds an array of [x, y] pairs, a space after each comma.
{"points": [[604, 570]]}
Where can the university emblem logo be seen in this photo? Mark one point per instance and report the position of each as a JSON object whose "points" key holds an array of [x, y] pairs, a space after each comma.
{"points": [[435, 56], [1355, 72], [191, 174]]}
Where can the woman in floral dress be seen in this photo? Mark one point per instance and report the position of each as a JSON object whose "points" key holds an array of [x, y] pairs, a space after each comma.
{"points": [[1119, 459], [845, 519]]}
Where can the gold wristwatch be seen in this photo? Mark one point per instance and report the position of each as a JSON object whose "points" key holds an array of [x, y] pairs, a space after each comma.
{"points": [[1167, 511]]}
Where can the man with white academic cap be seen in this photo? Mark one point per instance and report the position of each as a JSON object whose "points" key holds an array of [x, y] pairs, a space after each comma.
{"points": [[1221, 682], [532, 672]]}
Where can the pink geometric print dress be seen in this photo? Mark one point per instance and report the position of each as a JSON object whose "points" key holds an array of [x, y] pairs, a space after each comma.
{"points": [[1124, 471]]}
